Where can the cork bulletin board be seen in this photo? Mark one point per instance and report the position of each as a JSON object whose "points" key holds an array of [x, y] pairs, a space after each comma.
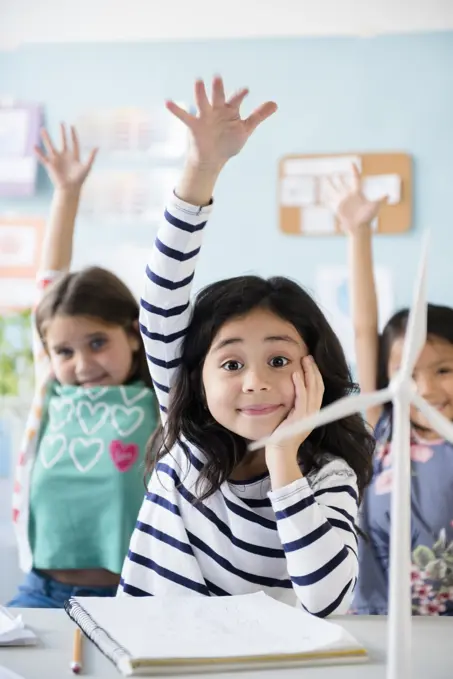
{"points": [[302, 193]]}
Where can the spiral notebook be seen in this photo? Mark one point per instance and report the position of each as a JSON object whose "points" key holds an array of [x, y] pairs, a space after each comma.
{"points": [[157, 636]]}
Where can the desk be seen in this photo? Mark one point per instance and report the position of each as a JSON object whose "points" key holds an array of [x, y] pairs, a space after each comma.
{"points": [[432, 657]]}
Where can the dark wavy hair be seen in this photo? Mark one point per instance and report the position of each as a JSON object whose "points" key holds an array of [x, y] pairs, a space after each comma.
{"points": [[96, 293], [439, 325], [188, 416]]}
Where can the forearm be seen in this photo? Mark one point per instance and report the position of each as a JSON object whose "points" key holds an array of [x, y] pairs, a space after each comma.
{"points": [[197, 182], [363, 287], [58, 241], [320, 542]]}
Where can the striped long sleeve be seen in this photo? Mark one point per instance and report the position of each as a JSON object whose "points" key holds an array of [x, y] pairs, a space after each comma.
{"points": [[165, 306], [298, 544]]}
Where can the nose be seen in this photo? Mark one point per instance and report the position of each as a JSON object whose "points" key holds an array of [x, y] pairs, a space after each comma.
{"points": [[83, 363], [255, 380]]}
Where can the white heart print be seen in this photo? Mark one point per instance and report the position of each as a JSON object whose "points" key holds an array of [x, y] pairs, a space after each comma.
{"points": [[95, 392], [133, 399], [85, 453], [131, 419], [88, 421], [51, 449], [61, 407]]}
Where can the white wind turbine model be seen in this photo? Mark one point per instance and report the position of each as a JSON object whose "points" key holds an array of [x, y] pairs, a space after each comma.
{"points": [[401, 391]]}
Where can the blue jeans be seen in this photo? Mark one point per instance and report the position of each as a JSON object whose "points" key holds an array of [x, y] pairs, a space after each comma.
{"points": [[39, 591]]}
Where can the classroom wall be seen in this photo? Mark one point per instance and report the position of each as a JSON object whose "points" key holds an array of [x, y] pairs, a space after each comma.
{"points": [[334, 94]]}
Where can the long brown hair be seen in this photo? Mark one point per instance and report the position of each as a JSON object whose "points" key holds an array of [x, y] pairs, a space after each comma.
{"points": [[188, 415], [96, 293]]}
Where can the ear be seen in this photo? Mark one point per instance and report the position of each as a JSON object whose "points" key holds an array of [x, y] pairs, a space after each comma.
{"points": [[134, 341]]}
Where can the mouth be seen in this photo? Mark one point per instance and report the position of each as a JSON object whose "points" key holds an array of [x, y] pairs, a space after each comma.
{"points": [[259, 410], [93, 382]]}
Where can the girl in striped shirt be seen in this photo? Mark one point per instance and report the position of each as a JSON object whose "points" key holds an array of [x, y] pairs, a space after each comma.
{"points": [[251, 355]]}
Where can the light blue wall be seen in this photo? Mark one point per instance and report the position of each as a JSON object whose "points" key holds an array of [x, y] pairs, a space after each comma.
{"points": [[335, 94]]}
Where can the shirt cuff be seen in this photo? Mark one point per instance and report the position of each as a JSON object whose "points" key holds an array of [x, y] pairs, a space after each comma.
{"points": [[281, 495], [179, 205]]}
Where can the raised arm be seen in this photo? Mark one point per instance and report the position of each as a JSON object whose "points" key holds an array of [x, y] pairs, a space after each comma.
{"points": [[67, 174], [216, 134], [356, 214]]}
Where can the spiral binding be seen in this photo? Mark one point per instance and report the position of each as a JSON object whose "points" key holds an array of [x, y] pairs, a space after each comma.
{"points": [[100, 638]]}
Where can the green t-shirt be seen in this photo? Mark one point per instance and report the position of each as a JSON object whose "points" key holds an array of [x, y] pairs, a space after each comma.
{"points": [[88, 479]]}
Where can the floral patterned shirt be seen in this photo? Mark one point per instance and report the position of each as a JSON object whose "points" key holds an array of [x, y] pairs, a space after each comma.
{"points": [[431, 528]]}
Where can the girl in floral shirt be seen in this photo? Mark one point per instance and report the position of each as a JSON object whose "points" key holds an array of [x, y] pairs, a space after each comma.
{"points": [[378, 359]]}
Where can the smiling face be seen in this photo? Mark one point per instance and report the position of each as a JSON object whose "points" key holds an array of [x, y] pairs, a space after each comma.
{"points": [[433, 376], [88, 352], [247, 374]]}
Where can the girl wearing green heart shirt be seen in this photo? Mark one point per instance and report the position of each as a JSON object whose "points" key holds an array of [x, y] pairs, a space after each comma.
{"points": [[80, 475]]}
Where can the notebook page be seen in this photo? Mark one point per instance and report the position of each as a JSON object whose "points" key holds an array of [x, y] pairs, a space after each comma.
{"points": [[203, 627]]}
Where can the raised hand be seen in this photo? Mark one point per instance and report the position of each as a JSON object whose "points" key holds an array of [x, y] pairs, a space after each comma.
{"points": [[64, 167], [353, 209], [218, 132]]}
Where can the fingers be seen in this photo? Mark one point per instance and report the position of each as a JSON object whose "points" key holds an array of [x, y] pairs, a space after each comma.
{"points": [[186, 118], [43, 159], [75, 143], [47, 143], [314, 384], [238, 97], [300, 396], [260, 115], [201, 98], [64, 144], [356, 178], [91, 158], [218, 92]]}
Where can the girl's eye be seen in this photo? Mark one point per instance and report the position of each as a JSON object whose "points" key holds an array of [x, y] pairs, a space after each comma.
{"points": [[232, 366], [279, 362], [97, 343], [444, 371], [65, 353]]}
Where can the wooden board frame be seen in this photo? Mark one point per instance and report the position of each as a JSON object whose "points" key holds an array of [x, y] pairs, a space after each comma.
{"points": [[393, 219]]}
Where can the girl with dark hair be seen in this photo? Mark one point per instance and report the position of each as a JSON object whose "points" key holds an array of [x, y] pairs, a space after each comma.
{"points": [[378, 359], [251, 356], [79, 482]]}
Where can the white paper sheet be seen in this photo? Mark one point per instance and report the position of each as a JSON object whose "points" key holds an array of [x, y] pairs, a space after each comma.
{"points": [[380, 185], [13, 631], [298, 191], [203, 627], [321, 166]]}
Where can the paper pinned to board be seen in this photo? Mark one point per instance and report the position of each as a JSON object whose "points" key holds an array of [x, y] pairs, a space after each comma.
{"points": [[377, 186], [318, 167], [13, 631], [298, 191]]}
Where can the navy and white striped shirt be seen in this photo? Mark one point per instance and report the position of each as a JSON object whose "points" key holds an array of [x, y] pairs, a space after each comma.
{"points": [[298, 543]]}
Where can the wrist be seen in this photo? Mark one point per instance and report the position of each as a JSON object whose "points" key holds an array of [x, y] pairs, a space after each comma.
{"points": [[68, 192], [283, 468], [197, 182]]}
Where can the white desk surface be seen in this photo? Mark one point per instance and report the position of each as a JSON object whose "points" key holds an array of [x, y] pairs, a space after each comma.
{"points": [[432, 651]]}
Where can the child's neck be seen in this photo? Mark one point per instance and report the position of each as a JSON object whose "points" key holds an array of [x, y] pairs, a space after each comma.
{"points": [[253, 464]]}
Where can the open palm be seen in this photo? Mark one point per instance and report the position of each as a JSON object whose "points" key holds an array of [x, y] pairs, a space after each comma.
{"points": [[218, 132], [64, 166], [353, 208]]}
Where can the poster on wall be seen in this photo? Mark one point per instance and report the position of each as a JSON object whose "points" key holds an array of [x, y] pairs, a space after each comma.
{"points": [[20, 246], [332, 293], [153, 133], [19, 134], [128, 196]]}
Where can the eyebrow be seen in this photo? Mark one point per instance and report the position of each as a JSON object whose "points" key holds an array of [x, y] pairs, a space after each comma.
{"points": [[228, 341]]}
